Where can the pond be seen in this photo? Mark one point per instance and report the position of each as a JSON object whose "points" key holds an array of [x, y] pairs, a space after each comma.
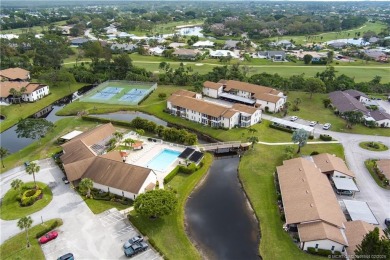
{"points": [[218, 217], [130, 115], [191, 31]]}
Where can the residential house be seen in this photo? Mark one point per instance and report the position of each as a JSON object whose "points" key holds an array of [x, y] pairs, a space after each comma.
{"points": [[230, 44], [376, 55], [381, 118], [186, 54], [360, 96], [223, 53], [77, 42], [285, 44], [65, 29], [345, 102], [268, 99], [191, 106], [118, 47], [332, 166], [156, 51], [272, 55], [14, 74], [383, 166], [176, 45], [337, 45], [310, 206], [203, 44], [84, 157], [34, 91]]}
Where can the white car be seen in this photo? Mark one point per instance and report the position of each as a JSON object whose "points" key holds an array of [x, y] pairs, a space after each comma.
{"points": [[293, 118], [326, 126], [312, 123]]}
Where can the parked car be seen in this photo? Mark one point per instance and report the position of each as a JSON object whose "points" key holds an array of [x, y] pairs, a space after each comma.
{"points": [[68, 256], [387, 222], [26, 164], [345, 192], [293, 118], [326, 126], [132, 241], [65, 180], [136, 248], [312, 123], [48, 237]]}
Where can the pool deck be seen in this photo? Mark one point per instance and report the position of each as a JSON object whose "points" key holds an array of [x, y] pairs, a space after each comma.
{"points": [[150, 150]]}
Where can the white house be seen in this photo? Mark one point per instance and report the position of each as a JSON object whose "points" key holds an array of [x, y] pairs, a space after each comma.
{"points": [[381, 118], [310, 206], [190, 105], [203, 44], [223, 53], [32, 93], [156, 51], [332, 165], [268, 99]]}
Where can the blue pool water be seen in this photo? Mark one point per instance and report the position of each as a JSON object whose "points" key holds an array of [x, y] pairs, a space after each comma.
{"points": [[164, 159]]}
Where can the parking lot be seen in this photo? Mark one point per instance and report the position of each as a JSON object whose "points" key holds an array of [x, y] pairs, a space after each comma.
{"points": [[102, 238]]}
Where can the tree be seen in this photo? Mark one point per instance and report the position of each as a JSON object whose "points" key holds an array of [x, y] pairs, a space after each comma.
{"points": [[314, 85], [296, 102], [17, 94], [162, 96], [140, 131], [288, 152], [33, 168], [86, 185], [326, 102], [373, 244], [300, 136], [252, 130], [307, 58], [128, 142], [17, 184], [33, 128], [352, 118], [155, 203], [25, 223], [253, 140], [330, 56], [3, 153], [118, 136]]}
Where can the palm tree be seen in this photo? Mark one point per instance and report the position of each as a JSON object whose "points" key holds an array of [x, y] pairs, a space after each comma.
{"points": [[118, 136], [128, 142], [25, 223], [252, 130], [253, 140], [140, 132], [32, 169], [3, 153], [86, 184], [17, 184]]}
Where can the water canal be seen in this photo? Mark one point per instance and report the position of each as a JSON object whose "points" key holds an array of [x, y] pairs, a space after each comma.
{"points": [[218, 217]]}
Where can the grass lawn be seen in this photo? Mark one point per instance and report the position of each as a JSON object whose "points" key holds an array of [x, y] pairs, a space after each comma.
{"points": [[48, 144], [370, 165], [10, 208], [256, 173], [168, 233], [99, 206], [378, 147], [34, 29], [15, 112], [15, 247], [324, 115]]}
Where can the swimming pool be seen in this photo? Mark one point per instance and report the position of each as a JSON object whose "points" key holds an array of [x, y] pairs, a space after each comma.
{"points": [[161, 161]]}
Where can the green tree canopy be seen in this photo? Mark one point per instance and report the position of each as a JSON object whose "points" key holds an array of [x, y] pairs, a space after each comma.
{"points": [[3, 153], [85, 186], [25, 223], [307, 58], [17, 184], [33, 168], [314, 85], [353, 117], [300, 136], [155, 203], [373, 244], [33, 128]]}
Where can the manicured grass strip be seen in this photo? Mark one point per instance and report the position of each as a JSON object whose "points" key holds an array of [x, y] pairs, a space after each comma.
{"points": [[370, 164], [10, 208], [15, 247], [168, 233], [256, 172], [99, 206], [379, 147]]}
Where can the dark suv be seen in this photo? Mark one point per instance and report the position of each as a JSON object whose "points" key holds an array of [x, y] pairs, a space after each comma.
{"points": [[136, 248]]}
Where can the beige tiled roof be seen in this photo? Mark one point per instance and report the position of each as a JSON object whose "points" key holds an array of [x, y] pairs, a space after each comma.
{"points": [[119, 175], [6, 86], [267, 97], [355, 232], [113, 155], [246, 109], [95, 135], [15, 73], [75, 151], [212, 85], [307, 194], [384, 167], [233, 84], [74, 171], [320, 230], [329, 163], [186, 52]]}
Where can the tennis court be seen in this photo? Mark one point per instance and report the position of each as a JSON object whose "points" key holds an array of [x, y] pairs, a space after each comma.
{"points": [[120, 92]]}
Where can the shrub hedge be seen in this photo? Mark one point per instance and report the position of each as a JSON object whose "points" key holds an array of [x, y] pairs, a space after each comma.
{"points": [[30, 196], [55, 224], [325, 137], [171, 175], [322, 252]]}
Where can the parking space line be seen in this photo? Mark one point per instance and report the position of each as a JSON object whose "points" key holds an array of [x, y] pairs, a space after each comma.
{"points": [[123, 231], [136, 256]]}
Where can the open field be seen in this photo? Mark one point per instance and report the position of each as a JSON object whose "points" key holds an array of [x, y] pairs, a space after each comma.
{"points": [[15, 112], [34, 29], [167, 28], [15, 247], [256, 173], [168, 233], [369, 26], [10, 208], [324, 115]]}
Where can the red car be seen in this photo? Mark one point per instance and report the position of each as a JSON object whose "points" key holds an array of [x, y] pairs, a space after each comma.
{"points": [[49, 236]]}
